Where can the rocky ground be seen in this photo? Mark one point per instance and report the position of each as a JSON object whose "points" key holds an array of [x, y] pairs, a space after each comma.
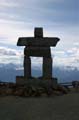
{"points": [[32, 90], [64, 107]]}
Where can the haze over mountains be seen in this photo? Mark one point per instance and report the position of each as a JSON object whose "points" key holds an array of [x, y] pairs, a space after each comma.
{"points": [[66, 64], [8, 73]]}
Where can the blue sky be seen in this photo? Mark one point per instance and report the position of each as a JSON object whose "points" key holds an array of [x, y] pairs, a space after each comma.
{"points": [[58, 18]]}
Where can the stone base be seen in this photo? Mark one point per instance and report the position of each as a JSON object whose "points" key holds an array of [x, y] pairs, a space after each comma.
{"points": [[37, 82]]}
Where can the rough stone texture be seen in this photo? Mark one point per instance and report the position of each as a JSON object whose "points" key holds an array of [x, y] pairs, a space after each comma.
{"points": [[38, 33], [38, 46], [36, 83], [27, 67], [20, 80], [37, 51], [47, 67], [31, 41]]}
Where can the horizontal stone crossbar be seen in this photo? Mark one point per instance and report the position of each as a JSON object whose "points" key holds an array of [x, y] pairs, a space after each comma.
{"points": [[31, 41]]}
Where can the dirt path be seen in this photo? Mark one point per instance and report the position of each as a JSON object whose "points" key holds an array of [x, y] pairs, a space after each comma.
{"points": [[56, 108]]}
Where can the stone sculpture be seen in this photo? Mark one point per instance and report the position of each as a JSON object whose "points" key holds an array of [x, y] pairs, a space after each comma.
{"points": [[37, 46]]}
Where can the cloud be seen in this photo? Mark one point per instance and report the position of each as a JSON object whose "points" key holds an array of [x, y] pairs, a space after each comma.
{"points": [[76, 44], [13, 56], [74, 51], [12, 30], [8, 72], [17, 21], [8, 16], [41, 11], [9, 52], [7, 3], [18, 18], [66, 58]]}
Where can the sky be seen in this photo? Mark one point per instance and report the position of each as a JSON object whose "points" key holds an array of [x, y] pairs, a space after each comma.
{"points": [[59, 18]]}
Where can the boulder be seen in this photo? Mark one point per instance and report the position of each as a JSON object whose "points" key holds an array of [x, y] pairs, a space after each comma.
{"points": [[18, 92], [9, 91], [62, 89]]}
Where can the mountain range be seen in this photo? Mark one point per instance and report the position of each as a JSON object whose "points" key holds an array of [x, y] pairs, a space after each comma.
{"points": [[8, 73]]}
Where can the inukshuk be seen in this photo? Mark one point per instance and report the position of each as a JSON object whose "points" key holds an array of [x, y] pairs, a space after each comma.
{"points": [[38, 46]]}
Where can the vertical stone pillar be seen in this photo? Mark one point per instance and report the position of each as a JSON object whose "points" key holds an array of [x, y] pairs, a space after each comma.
{"points": [[27, 67], [47, 67]]}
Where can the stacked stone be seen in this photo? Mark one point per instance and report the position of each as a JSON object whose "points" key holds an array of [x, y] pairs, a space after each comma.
{"points": [[38, 46], [42, 51]]}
